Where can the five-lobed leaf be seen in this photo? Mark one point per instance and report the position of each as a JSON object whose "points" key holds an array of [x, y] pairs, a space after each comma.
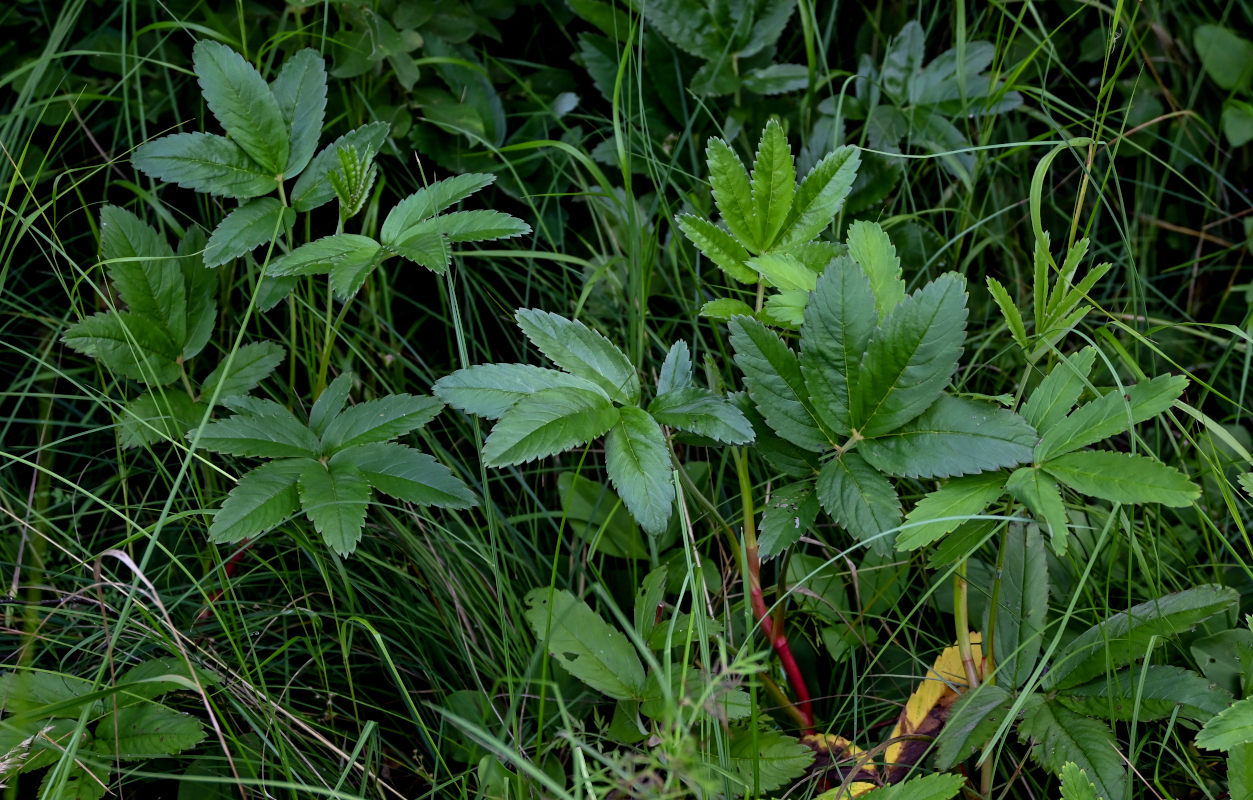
{"points": [[379, 420], [406, 474], [1052, 400], [262, 499]]}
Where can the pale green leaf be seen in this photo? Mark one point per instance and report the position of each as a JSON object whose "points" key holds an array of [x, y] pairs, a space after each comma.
{"points": [[767, 759], [406, 474], [240, 373], [133, 346], [262, 499], [1023, 606], [255, 223], [204, 162], [146, 730], [971, 721], [733, 195], [582, 351], [144, 270], [334, 498], [588, 647], [947, 507], [1226, 56], [1052, 400], [785, 309], [790, 513], [1013, 318], [300, 91], [724, 308], [638, 463], [1109, 415], [241, 101], [838, 325], [266, 430], [1240, 770], [1237, 121], [158, 415], [379, 420], [321, 255], [329, 403], [489, 390], [1059, 735], [777, 79], [1126, 635], [773, 183], [902, 62], [820, 196], [1038, 491], [700, 411], [718, 246], [775, 383], [429, 201], [548, 422], [1148, 693], [313, 188], [676, 370], [1123, 478], [783, 271], [1075, 783], [1232, 728], [871, 248], [955, 436], [911, 357], [859, 498], [923, 787]]}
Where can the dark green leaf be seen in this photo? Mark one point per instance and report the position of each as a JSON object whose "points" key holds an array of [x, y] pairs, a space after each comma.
{"points": [[265, 430], [1237, 121], [1023, 606], [314, 188], [144, 271], [861, 499], [379, 420], [956, 436], [1148, 693], [718, 246], [1037, 490], [335, 497], [200, 288], [777, 79], [133, 346], [589, 648], [471, 226], [724, 308], [240, 373], [322, 255], [1052, 400], [146, 730], [790, 512], [902, 62], [702, 412], [638, 462], [429, 201], [773, 182], [329, 403], [775, 383], [241, 101], [262, 499], [871, 248], [820, 196], [1059, 735], [155, 677], [548, 422], [427, 249], [582, 351], [597, 516], [253, 224], [1110, 414], [1239, 771], [972, 720], [300, 91], [204, 162], [732, 194], [947, 507], [911, 357], [406, 474], [838, 325], [158, 414], [1123, 478]]}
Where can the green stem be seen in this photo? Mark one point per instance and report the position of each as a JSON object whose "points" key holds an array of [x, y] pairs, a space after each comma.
{"points": [[961, 610]]}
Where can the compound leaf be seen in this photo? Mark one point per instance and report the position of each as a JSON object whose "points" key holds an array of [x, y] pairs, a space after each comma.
{"points": [[406, 474], [379, 420], [241, 101], [265, 429], [582, 351], [489, 390], [429, 201], [768, 759], [334, 498], [329, 403], [1110, 414], [1059, 735], [131, 345], [1052, 400], [204, 162], [702, 412], [1075, 783], [262, 499]]}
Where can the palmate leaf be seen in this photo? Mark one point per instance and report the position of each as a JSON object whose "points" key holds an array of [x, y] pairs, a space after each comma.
{"points": [[1148, 693], [700, 411], [911, 357], [732, 194], [1059, 735], [820, 196], [313, 188], [143, 269], [767, 759], [1109, 415], [1123, 478], [947, 507], [261, 220], [250, 365], [1127, 635], [548, 422], [1052, 400], [406, 474], [262, 499], [718, 246], [773, 183], [328, 404], [379, 420], [588, 647], [131, 345], [873, 251], [300, 91], [582, 351], [638, 463], [265, 429], [241, 101], [204, 162], [838, 323], [334, 498], [858, 497], [489, 390], [955, 436], [773, 376], [1023, 606], [146, 730]]}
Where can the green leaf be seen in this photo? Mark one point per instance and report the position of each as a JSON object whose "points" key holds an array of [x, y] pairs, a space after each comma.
{"points": [[206, 163], [334, 498], [1075, 783], [1148, 693], [718, 246], [1240, 771], [784, 271], [767, 759], [911, 357], [925, 787], [861, 499], [261, 500], [313, 188], [472, 226], [676, 370], [1038, 491], [597, 516], [158, 676], [955, 436], [241, 101], [773, 183], [947, 507], [257, 222], [1013, 319], [146, 730], [777, 79], [638, 463], [144, 271], [589, 648], [820, 196], [785, 309], [427, 249], [406, 474], [903, 61], [702, 412], [264, 430], [1123, 478], [84, 780], [133, 346], [1237, 121], [1232, 728], [156, 415], [548, 422], [1127, 635], [429, 201], [1226, 56], [379, 420], [838, 325], [1052, 400], [733, 195], [1023, 606], [300, 91], [200, 288], [250, 365], [871, 248], [28, 693], [329, 403], [1109, 415], [582, 351], [773, 377], [789, 513], [489, 390], [972, 720], [724, 308], [1059, 735], [323, 255]]}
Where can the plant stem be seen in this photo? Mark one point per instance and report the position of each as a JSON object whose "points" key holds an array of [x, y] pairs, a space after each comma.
{"points": [[961, 610]]}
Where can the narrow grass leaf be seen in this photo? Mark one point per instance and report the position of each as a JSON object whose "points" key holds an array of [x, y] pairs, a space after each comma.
{"points": [[489, 390], [947, 507], [838, 323], [429, 201], [588, 647], [262, 499], [873, 251], [857, 496], [133, 346], [1023, 606], [334, 498], [548, 422], [251, 364], [911, 357], [379, 420], [773, 183], [1109, 415], [702, 412], [146, 730], [733, 195], [1058, 735], [264, 430], [241, 101], [638, 463], [204, 162], [313, 188], [1148, 693], [972, 720], [955, 436], [406, 474], [1126, 636], [1123, 478], [718, 246], [582, 351], [1037, 490], [300, 91], [820, 196], [773, 376], [1053, 398]]}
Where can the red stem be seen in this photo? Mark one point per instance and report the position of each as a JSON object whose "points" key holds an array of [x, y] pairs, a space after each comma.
{"points": [[778, 640]]}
